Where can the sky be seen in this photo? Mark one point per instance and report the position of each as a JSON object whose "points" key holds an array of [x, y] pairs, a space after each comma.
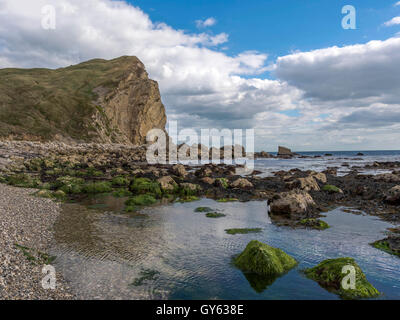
{"points": [[286, 68]]}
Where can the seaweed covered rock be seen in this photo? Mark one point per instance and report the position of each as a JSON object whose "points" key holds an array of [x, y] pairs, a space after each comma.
{"points": [[264, 260], [167, 184], [390, 245], [331, 273], [314, 224], [145, 186], [332, 189]]}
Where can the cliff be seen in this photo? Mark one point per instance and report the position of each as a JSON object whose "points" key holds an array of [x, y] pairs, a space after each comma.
{"points": [[96, 101]]}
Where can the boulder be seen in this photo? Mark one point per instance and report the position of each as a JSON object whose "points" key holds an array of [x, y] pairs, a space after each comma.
{"points": [[387, 177], [208, 180], [330, 273], [242, 183], [264, 260], [204, 172], [284, 152], [306, 184], [191, 187], [179, 170], [167, 183], [390, 244], [292, 203], [393, 195], [263, 154], [319, 176]]}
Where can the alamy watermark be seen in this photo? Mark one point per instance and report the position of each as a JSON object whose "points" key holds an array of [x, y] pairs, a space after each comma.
{"points": [[49, 17], [49, 280], [349, 280], [349, 21], [228, 146]]}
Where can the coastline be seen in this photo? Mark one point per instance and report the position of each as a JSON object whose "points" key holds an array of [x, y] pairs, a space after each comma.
{"points": [[26, 222], [297, 198]]}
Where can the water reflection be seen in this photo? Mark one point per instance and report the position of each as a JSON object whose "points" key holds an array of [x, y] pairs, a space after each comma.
{"points": [[103, 251]]}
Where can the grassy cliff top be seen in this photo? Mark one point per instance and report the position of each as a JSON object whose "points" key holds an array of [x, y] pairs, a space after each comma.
{"points": [[38, 104]]}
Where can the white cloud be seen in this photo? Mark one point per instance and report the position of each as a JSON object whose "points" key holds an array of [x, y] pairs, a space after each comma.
{"points": [[392, 22], [209, 22], [356, 72], [397, 4]]}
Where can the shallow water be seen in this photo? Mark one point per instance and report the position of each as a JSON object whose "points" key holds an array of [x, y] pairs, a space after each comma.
{"points": [[188, 256], [269, 166]]}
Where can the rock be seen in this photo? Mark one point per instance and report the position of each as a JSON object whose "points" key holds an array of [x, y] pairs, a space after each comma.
{"points": [[393, 195], [179, 170], [292, 203], [329, 275], [127, 105], [284, 152], [191, 187], [232, 152], [167, 183], [390, 244], [44, 194], [242, 183], [222, 183], [306, 184], [387, 177], [320, 177], [314, 224], [331, 170], [360, 154], [263, 154], [264, 260], [204, 172], [208, 180]]}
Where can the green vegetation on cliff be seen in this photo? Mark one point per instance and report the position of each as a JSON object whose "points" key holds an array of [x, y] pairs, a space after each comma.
{"points": [[78, 102]]}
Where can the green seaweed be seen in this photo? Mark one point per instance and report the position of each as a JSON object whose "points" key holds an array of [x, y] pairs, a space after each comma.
{"points": [[227, 200], [145, 275], [23, 180], [264, 260], [243, 231], [215, 215], [141, 200], [223, 182], [70, 185], [145, 186], [331, 189], [329, 275], [35, 257], [121, 193], [188, 199], [97, 187], [384, 246], [314, 223], [120, 181], [204, 209]]}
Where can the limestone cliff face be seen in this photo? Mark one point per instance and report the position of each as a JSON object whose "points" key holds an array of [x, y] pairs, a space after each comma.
{"points": [[133, 107], [105, 101]]}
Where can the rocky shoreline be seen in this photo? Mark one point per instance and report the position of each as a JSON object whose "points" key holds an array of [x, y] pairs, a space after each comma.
{"points": [[25, 238], [296, 198]]}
